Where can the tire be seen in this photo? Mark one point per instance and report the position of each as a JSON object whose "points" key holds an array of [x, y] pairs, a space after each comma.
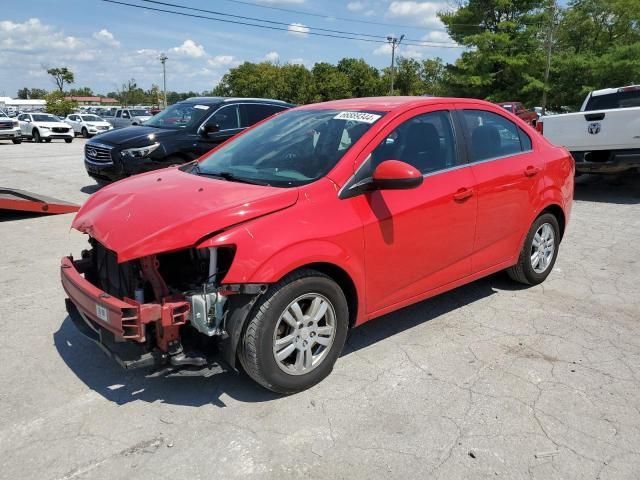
{"points": [[68, 140], [257, 351], [36, 136], [527, 270], [85, 133], [16, 141], [48, 140]]}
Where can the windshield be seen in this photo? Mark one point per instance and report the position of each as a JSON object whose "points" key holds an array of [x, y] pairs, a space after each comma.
{"points": [[45, 118], [140, 113], [179, 115], [509, 108], [291, 149], [91, 118]]}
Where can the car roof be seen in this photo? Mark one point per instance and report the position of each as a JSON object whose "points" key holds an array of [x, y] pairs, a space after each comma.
{"points": [[388, 104], [216, 100]]}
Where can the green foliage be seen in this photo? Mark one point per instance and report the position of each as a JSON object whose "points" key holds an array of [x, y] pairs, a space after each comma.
{"points": [[81, 92], [61, 76], [57, 105], [31, 93]]}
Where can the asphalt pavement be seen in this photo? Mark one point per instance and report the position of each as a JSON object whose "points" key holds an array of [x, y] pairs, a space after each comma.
{"points": [[491, 380]]}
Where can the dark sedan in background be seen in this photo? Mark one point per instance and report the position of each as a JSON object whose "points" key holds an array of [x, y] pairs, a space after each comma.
{"points": [[178, 134]]}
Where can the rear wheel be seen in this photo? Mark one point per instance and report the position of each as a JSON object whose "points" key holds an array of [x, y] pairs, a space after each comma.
{"points": [[68, 140], [36, 136], [539, 252], [48, 140], [296, 333]]}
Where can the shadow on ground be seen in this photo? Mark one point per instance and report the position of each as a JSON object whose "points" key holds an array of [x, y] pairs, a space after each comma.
{"points": [[622, 189], [102, 375]]}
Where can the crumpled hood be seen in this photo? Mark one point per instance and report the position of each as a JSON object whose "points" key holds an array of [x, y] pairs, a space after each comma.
{"points": [[169, 209]]}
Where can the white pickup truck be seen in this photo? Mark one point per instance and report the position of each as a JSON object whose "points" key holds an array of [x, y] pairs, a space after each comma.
{"points": [[604, 136], [126, 117]]}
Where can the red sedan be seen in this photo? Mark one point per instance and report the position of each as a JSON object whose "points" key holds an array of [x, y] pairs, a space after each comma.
{"points": [[271, 247]]}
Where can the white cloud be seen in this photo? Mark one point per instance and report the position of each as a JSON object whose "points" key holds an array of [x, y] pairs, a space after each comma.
{"points": [[223, 61], [189, 48], [298, 29], [355, 6], [418, 13], [106, 37], [437, 36], [272, 57], [34, 36], [297, 61]]}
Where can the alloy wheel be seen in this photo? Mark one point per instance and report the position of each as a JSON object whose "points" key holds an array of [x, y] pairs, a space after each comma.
{"points": [[542, 248]]}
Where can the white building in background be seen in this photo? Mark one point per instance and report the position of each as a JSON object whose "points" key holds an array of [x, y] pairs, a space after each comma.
{"points": [[13, 105]]}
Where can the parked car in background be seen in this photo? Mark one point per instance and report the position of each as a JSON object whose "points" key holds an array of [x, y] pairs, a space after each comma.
{"points": [[127, 117], [44, 127], [603, 136], [9, 128], [178, 134], [272, 246], [517, 108], [87, 125]]}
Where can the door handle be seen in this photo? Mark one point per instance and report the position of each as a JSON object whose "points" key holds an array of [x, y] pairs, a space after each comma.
{"points": [[463, 194], [531, 171]]}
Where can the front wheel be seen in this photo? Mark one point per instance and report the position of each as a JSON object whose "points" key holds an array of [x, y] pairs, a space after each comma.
{"points": [[16, 140], [36, 136], [85, 132], [296, 333], [539, 252]]}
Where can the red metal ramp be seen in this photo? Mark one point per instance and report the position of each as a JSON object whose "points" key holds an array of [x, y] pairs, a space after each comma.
{"points": [[14, 199]]}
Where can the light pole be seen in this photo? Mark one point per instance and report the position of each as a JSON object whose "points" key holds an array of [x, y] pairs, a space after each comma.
{"points": [[163, 60], [552, 15], [395, 42]]}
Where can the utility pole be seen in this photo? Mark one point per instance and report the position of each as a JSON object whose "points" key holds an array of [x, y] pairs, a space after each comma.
{"points": [[163, 60], [395, 42], [552, 22]]}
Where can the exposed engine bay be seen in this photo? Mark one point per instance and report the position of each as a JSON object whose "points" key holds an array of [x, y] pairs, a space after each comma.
{"points": [[188, 282]]}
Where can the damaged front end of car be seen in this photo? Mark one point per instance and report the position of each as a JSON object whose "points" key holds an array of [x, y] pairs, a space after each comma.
{"points": [[167, 311]]}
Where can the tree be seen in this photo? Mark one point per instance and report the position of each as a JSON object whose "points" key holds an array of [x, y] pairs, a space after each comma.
{"points": [[329, 83], [81, 92], [57, 105], [506, 60], [61, 76], [364, 80], [31, 93], [434, 77]]}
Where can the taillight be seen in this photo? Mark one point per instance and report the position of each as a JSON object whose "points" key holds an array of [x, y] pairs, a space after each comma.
{"points": [[540, 126]]}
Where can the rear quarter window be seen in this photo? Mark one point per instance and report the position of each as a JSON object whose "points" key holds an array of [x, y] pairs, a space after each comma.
{"points": [[614, 100]]}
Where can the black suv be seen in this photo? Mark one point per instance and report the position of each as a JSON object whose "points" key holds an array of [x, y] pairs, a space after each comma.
{"points": [[180, 133]]}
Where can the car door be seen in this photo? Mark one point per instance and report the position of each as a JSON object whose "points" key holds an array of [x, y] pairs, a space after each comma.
{"points": [[126, 118], [508, 178], [25, 124], [227, 120], [420, 239]]}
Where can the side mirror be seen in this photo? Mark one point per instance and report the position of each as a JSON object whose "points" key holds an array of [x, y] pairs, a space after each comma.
{"points": [[395, 175], [208, 128]]}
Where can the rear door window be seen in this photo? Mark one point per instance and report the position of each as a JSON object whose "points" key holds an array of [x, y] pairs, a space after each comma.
{"points": [[251, 113], [493, 136]]}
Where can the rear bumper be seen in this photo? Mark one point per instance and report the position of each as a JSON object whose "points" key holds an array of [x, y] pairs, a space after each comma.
{"points": [[606, 161], [124, 319]]}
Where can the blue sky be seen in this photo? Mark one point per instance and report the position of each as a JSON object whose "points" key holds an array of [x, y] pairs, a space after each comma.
{"points": [[107, 44]]}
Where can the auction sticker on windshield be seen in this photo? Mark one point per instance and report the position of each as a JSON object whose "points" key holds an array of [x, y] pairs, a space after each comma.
{"points": [[357, 116]]}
